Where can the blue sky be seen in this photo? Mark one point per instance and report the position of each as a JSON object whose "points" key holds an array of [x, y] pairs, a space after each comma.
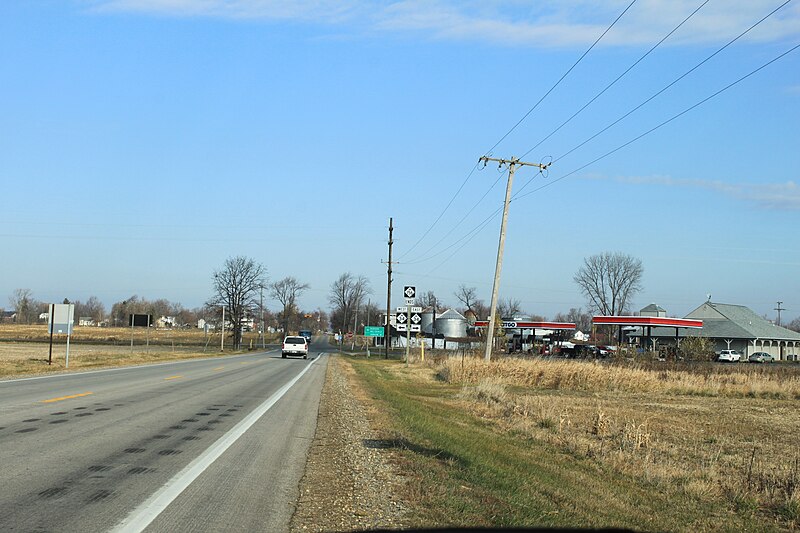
{"points": [[145, 141]]}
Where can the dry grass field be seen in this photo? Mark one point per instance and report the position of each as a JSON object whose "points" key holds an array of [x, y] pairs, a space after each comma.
{"points": [[721, 434], [25, 350]]}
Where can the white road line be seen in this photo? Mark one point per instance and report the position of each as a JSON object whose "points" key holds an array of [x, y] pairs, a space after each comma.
{"points": [[142, 516]]}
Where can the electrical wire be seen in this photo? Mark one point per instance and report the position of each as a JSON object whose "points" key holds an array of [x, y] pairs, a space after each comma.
{"points": [[664, 123], [607, 87], [520, 121], [454, 226], [519, 195], [661, 91]]}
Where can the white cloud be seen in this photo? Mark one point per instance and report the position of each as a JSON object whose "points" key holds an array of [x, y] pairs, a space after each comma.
{"points": [[548, 23], [781, 196]]}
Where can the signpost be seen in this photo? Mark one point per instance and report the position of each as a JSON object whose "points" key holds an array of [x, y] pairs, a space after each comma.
{"points": [[410, 292], [60, 320]]}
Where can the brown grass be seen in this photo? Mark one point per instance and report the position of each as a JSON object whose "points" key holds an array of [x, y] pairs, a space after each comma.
{"points": [[594, 376], [727, 436], [25, 350]]}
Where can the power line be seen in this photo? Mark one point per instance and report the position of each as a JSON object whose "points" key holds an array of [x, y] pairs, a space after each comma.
{"points": [[664, 123], [473, 232], [607, 87], [520, 121], [626, 115], [456, 225]]}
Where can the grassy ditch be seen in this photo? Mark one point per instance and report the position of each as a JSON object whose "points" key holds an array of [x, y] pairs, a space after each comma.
{"points": [[495, 451]]}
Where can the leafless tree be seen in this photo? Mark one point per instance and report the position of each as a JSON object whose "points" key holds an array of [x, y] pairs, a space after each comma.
{"points": [[467, 296], [286, 292], [509, 308], [93, 308], [794, 325], [428, 299], [236, 287], [346, 295], [582, 320], [24, 305], [609, 281]]}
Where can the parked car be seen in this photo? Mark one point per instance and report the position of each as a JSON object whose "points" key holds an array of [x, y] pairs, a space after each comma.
{"points": [[760, 357], [729, 356], [295, 345]]}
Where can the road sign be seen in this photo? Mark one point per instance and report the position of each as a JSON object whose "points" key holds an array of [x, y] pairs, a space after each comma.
{"points": [[415, 318], [415, 328], [401, 327], [402, 309], [402, 318], [410, 291], [373, 331], [416, 309]]}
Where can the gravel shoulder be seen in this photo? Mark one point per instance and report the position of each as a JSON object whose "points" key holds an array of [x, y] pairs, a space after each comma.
{"points": [[350, 482]]}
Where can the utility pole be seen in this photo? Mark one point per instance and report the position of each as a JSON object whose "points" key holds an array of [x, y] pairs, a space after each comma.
{"points": [[261, 305], [512, 166], [779, 309], [387, 327]]}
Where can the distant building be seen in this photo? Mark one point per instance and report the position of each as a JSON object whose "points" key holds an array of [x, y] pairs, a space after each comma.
{"points": [[86, 321], [736, 327], [653, 310]]}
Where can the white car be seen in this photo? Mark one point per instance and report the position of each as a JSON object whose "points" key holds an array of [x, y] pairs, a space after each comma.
{"points": [[295, 345], [730, 356]]}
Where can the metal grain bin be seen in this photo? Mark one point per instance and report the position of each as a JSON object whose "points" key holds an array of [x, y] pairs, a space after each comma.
{"points": [[451, 324]]}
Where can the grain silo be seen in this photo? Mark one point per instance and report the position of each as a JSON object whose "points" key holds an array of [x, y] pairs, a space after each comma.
{"points": [[451, 324]]}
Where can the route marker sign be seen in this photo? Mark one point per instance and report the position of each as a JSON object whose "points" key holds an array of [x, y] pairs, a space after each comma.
{"points": [[410, 291]]}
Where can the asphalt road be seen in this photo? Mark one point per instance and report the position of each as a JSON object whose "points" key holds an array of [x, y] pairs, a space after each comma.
{"points": [[205, 445]]}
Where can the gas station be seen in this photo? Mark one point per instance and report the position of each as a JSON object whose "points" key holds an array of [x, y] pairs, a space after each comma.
{"points": [[646, 323]]}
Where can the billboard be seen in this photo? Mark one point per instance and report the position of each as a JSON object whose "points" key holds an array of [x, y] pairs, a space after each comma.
{"points": [[138, 320]]}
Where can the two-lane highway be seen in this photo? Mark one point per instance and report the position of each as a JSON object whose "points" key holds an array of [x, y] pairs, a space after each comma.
{"points": [[202, 445]]}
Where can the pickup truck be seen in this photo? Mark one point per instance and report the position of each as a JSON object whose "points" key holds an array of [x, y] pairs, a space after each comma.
{"points": [[295, 345]]}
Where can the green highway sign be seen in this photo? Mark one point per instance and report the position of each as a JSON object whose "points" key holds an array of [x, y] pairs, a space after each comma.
{"points": [[373, 331]]}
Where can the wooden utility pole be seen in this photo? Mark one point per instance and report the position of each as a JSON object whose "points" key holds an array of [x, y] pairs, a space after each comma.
{"points": [[512, 165], [387, 327]]}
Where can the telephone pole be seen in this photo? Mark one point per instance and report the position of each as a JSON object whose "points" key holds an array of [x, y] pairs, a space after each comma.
{"points": [[779, 309], [512, 163], [387, 327]]}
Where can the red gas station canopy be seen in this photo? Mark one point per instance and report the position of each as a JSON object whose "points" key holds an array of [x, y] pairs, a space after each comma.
{"points": [[647, 321], [519, 324]]}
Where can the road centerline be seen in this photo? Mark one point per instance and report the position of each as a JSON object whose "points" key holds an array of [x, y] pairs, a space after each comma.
{"points": [[62, 398]]}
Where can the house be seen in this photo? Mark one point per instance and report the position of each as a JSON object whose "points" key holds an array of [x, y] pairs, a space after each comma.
{"points": [[8, 316], [735, 327], [86, 321]]}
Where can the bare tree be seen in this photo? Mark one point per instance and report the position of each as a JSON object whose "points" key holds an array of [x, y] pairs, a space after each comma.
{"points": [[794, 325], [428, 299], [286, 292], [609, 281], [467, 296], [236, 287], [346, 295], [582, 321], [509, 308], [24, 305]]}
